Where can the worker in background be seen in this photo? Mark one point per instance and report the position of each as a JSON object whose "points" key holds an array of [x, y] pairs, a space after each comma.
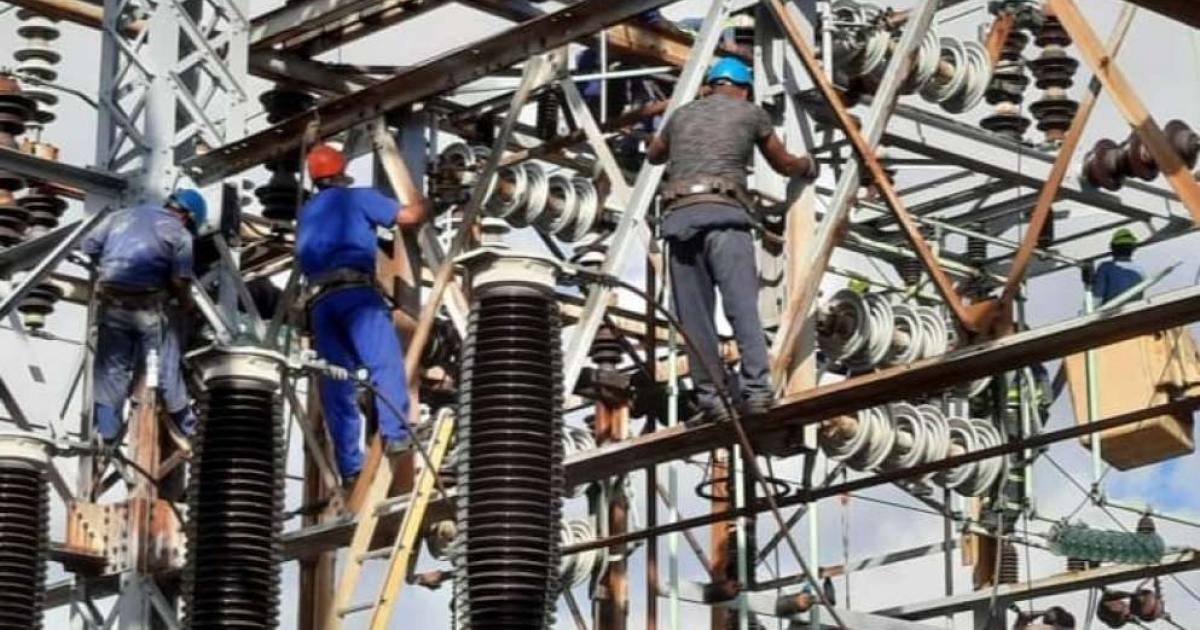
{"points": [[1120, 274], [708, 145], [336, 246], [144, 261]]}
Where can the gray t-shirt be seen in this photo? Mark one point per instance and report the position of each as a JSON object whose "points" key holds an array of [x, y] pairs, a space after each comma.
{"points": [[712, 136], [715, 136]]}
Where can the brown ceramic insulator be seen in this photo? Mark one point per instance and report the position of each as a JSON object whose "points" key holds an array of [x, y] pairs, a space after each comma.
{"points": [[14, 220], [1051, 32], [16, 109], [1146, 605], [1139, 162], [1184, 140], [1113, 610], [1054, 113], [285, 101], [39, 304], [1010, 564], [24, 544], [1054, 68], [1103, 166], [1010, 124], [44, 207]]}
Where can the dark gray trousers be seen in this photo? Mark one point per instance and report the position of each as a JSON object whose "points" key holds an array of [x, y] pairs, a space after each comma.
{"points": [[720, 258]]}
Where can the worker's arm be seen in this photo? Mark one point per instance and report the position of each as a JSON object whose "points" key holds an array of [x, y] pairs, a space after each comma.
{"points": [[784, 162], [413, 213], [182, 272], [658, 150]]}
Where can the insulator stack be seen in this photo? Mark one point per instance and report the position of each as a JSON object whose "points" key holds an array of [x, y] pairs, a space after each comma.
{"points": [[950, 72], [16, 109], [38, 305], [1055, 72], [548, 106], [606, 348], [1145, 525], [1098, 545], [1108, 164], [24, 530], [236, 494], [977, 247], [860, 333], [1010, 564], [510, 470], [38, 58], [1010, 80], [281, 193], [903, 435], [524, 194], [45, 208]]}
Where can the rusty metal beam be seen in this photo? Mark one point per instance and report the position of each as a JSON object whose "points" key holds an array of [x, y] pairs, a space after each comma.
{"points": [[441, 74]]}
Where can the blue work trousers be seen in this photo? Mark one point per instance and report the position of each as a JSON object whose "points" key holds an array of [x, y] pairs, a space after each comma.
{"points": [[123, 342], [353, 329], [712, 259]]}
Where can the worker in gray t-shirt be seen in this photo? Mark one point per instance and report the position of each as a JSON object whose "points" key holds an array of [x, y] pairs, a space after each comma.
{"points": [[708, 145]]}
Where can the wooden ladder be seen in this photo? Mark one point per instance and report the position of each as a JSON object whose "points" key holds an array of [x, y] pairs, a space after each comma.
{"points": [[403, 549]]}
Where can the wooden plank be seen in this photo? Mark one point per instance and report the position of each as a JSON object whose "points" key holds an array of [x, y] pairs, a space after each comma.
{"points": [[1130, 106], [1049, 192]]}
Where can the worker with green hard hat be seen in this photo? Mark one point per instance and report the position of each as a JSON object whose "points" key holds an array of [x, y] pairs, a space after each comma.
{"points": [[1115, 277]]}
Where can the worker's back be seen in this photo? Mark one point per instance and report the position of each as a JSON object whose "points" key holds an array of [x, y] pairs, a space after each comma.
{"points": [[336, 230], [715, 137], [142, 248], [1115, 277]]}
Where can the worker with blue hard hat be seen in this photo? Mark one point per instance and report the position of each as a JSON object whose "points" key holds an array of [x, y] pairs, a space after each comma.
{"points": [[143, 260], [1118, 275], [708, 146], [336, 247]]}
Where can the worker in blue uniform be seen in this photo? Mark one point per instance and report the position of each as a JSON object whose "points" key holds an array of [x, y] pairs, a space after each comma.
{"points": [[1120, 274], [143, 257], [336, 246]]}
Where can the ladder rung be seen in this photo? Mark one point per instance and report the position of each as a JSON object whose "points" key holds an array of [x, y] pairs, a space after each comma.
{"points": [[355, 608], [379, 554]]}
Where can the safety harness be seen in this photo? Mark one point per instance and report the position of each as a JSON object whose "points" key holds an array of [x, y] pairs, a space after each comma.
{"points": [[131, 298], [691, 191]]}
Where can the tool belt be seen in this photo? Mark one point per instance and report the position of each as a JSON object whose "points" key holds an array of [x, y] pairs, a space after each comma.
{"points": [[681, 193], [131, 298], [338, 280]]}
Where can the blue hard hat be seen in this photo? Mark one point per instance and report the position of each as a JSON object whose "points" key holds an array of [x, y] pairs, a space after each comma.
{"points": [[191, 202], [732, 70]]}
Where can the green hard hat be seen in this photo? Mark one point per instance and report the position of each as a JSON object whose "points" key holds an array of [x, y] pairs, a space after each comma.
{"points": [[1123, 236]]}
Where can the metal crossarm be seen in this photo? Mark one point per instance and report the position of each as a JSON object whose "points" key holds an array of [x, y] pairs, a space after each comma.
{"points": [[403, 548]]}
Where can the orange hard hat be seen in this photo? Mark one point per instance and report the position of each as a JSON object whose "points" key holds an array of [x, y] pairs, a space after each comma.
{"points": [[325, 161]]}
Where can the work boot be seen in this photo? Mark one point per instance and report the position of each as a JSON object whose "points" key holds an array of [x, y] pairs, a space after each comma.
{"points": [[756, 405], [708, 415]]}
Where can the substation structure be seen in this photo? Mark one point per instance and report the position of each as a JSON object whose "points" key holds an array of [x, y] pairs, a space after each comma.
{"points": [[951, 176]]}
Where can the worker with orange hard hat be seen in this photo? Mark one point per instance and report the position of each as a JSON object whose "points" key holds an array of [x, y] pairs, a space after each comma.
{"points": [[336, 246]]}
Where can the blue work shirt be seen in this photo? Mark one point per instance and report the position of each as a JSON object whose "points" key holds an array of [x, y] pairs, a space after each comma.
{"points": [[1115, 277], [336, 229], [141, 248]]}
